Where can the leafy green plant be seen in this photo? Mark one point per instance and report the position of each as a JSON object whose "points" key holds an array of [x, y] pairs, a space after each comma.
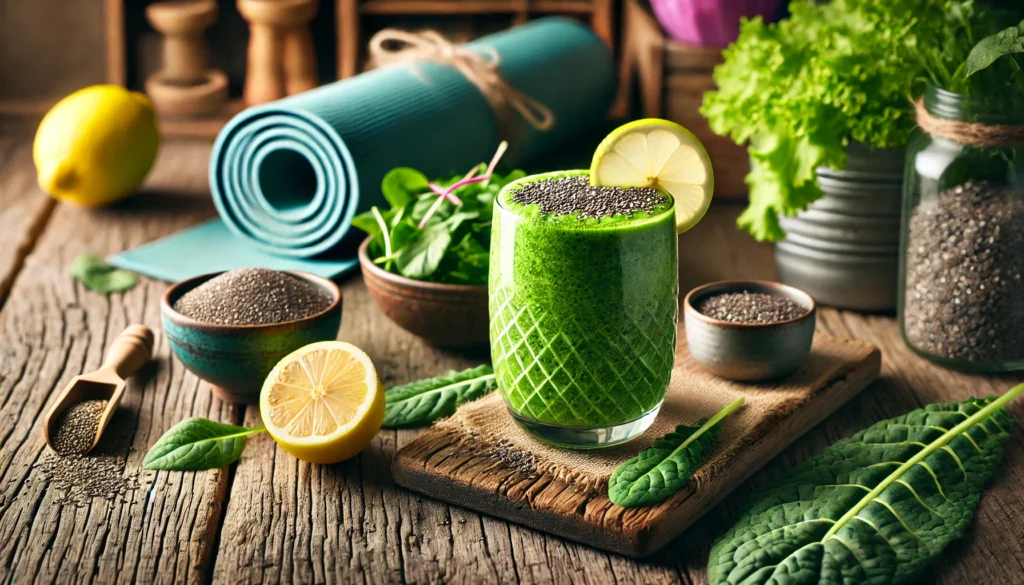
{"points": [[802, 89], [98, 276], [874, 508], [1009, 41], [438, 231], [664, 468], [199, 443], [421, 403]]}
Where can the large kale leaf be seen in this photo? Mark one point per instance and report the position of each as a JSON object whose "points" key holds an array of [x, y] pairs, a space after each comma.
{"points": [[872, 509]]}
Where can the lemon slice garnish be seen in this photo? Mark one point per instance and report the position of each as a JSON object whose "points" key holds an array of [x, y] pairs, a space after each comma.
{"points": [[659, 154]]}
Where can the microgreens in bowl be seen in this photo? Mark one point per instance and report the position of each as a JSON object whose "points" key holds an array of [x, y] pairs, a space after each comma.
{"points": [[439, 231]]}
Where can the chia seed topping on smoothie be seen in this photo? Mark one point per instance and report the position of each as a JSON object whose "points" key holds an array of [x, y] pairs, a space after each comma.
{"points": [[574, 195]]}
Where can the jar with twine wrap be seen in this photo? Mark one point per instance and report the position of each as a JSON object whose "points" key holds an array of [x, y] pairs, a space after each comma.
{"points": [[962, 279]]}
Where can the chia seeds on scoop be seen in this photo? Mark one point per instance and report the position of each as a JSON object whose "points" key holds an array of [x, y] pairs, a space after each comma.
{"points": [[964, 289], [76, 427], [567, 195], [252, 296], [748, 307]]}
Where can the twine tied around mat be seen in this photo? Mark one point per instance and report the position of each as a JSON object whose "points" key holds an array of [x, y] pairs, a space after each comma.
{"points": [[396, 47], [969, 133]]}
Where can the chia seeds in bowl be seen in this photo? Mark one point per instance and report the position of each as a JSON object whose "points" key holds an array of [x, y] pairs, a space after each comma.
{"points": [[751, 307], [749, 330], [253, 296]]}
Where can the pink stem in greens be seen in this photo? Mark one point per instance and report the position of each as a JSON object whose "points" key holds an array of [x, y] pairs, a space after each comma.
{"points": [[469, 178], [439, 190]]}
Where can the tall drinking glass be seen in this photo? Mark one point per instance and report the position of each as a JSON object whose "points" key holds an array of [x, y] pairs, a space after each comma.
{"points": [[582, 318]]}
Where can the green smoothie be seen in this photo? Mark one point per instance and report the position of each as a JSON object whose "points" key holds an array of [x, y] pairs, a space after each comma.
{"points": [[583, 311]]}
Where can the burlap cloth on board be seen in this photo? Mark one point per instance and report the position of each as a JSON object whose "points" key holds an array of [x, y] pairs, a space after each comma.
{"points": [[692, 396]]}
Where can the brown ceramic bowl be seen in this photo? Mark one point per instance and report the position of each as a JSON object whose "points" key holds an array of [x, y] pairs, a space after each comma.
{"points": [[443, 315], [236, 359], [749, 351]]}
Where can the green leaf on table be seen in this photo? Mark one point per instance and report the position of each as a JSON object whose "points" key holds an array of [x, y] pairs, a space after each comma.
{"points": [[423, 255], [98, 276], [665, 467], [420, 403], [198, 443], [1005, 42], [874, 508], [402, 185]]}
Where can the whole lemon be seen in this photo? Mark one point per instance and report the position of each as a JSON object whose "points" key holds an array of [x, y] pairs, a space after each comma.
{"points": [[96, 146]]}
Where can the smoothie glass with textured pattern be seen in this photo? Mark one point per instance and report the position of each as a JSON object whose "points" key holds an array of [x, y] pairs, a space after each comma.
{"points": [[582, 318]]}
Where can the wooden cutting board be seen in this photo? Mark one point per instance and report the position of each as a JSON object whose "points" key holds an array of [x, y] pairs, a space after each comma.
{"points": [[480, 459]]}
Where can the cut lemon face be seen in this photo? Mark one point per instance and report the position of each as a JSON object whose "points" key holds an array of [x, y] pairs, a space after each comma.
{"points": [[660, 154], [323, 403]]}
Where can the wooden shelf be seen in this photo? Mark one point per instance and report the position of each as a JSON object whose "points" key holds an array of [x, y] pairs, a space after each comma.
{"points": [[200, 127], [435, 7], [432, 7]]}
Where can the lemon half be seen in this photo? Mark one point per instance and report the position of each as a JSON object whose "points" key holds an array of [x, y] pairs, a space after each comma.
{"points": [[324, 402], [660, 154]]}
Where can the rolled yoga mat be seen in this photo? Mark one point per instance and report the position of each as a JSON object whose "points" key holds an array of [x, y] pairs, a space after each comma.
{"points": [[288, 176]]}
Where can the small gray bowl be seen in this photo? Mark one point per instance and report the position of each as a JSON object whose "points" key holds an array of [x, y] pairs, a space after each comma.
{"points": [[749, 351]]}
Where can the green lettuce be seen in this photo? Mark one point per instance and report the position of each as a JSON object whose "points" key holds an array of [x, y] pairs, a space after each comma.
{"points": [[800, 90]]}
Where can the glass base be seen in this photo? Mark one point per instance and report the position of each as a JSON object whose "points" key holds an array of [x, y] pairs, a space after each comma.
{"points": [[587, 437], [991, 368]]}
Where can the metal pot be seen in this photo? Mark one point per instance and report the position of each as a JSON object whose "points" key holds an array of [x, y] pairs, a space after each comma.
{"points": [[844, 250]]}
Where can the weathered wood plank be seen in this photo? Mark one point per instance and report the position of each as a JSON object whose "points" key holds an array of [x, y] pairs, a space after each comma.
{"points": [[24, 209], [52, 329]]}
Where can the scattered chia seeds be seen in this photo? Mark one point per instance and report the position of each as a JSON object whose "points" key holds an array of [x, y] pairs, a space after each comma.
{"points": [[252, 296], [568, 195], [76, 427], [80, 477], [748, 307], [964, 293]]}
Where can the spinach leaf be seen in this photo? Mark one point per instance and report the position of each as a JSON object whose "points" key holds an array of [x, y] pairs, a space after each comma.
{"points": [[423, 255], [198, 443], [664, 468], [402, 185], [420, 403], [1005, 42], [98, 276], [874, 508]]}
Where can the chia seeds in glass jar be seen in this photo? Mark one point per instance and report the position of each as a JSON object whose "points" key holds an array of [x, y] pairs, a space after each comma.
{"points": [[962, 276]]}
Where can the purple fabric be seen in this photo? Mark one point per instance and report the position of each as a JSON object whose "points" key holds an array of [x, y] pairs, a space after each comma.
{"points": [[712, 23]]}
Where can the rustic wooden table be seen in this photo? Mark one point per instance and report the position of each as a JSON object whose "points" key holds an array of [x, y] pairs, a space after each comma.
{"points": [[271, 518]]}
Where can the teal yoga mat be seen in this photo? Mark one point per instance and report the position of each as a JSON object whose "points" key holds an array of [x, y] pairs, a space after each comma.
{"points": [[288, 176]]}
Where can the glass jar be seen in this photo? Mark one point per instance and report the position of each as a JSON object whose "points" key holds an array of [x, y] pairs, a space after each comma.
{"points": [[961, 298]]}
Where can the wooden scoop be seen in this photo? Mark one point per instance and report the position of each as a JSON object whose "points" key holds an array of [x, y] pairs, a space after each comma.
{"points": [[126, 356]]}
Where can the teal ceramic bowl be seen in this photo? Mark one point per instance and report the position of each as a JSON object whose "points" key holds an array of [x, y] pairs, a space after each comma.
{"points": [[236, 359]]}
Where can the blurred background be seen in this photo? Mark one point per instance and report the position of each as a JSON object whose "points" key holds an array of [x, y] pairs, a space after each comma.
{"points": [[50, 48]]}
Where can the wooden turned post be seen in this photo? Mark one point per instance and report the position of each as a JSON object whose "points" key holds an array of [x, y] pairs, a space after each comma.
{"points": [[299, 54], [281, 56], [184, 86]]}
